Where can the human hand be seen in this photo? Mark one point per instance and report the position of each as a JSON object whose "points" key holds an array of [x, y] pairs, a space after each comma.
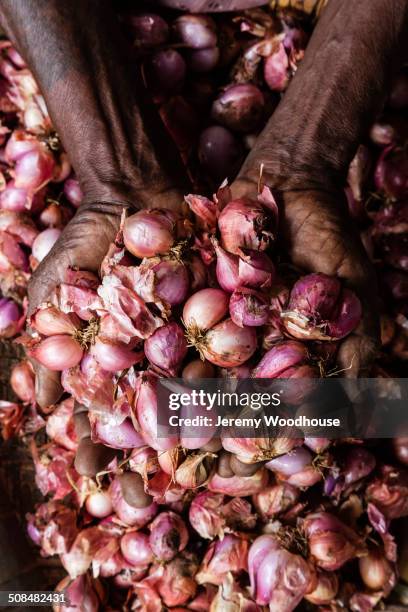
{"points": [[317, 234]]}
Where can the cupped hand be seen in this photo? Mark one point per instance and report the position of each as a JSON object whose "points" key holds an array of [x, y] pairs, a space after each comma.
{"points": [[83, 245], [318, 236]]}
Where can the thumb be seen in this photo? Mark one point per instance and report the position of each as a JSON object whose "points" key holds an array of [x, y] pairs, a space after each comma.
{"points": [[48, 388]]}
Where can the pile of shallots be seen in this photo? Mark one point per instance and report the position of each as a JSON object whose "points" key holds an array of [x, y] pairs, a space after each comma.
{"points": [[142, 522]]}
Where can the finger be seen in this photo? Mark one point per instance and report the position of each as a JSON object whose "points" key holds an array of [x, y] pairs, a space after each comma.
{"points": [[48, 388], [92, 458], [41, 286]]}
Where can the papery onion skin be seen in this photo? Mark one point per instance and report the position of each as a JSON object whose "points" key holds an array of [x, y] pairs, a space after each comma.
{"points": [[325, 590], [58, 353], [243, 223], [239, 486], [275, 499], [205, 308], [227, 345], [148, 233], [248, 308], [49, 321], [44, 242], [168, 536]]}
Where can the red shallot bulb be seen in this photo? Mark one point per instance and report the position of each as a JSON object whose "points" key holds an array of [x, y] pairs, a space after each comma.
{"points": [[278, 578], [82, 593], [219, 153], [389, 491], [55, 215], [114, 357], [275, 499], [205, 308], [230, 554], [49, 321], [171, 281], [168, 536], [280, 358], [165, 72], [166, 348], [331, 542], [58, 352], [375, 569], [203, 60], [255, 269], [34, 170], [44, 242], [248, 308], [244, 223], [276, 70], [22, 381], [325, 590], [391, 173], [239, 486], [195, 31], [136, 549], [148, 29], [239, 107], [400, 446], [99, 504], [11, 318], [227, 345], [73, 192], [149, 232], [320, 309], [15, 199], [296, 468]]}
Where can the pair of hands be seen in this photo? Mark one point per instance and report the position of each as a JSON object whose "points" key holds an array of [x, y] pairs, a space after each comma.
{"points": [[314, 228]]}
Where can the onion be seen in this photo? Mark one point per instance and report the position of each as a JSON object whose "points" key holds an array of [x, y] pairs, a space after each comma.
{"points": [[389, 491], [204, 60], [22, 381], [227, 345], [375, 570], [146, 409], [34, 170], [239, 486], [255, 269], [391, 173], [219, 153], [248, 308], [244, 223], [82, 593], [171, 281], [331, 542], [195, 31], [10, 318], [205, 308], [319, 309], [276, 70], [278, 578], [122, 435], [296, 467], [166, 348], [229, 554], [165, 72], [44, 242], [275, 500], [400, 446], [55, 215], [168, 536], [58, 352], [15, 199], [136, 549], [50, 321], [148, 233], [198, 273], [73, 192], [325, 590], [99, 504], [114, 357], [280, 358], [149, 30], [240, 107]]}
